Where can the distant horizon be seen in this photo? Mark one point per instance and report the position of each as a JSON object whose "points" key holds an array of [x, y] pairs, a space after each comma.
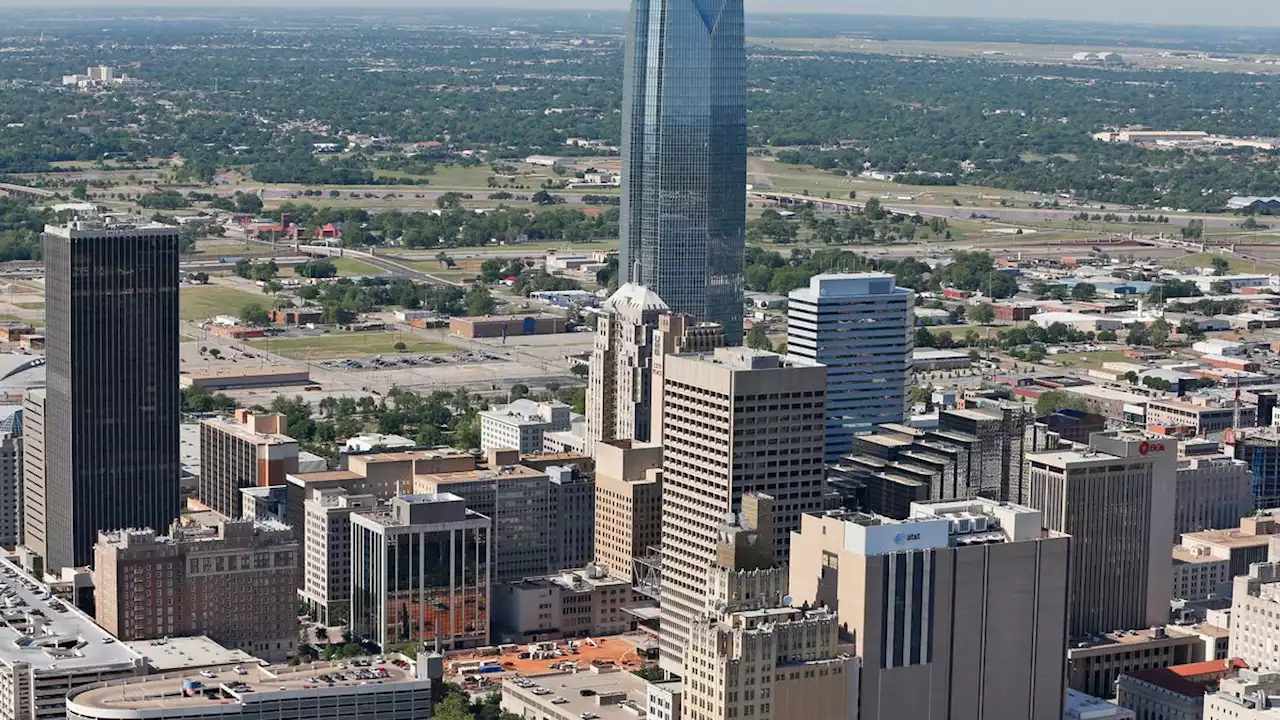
{"points": [[1245, 15]]}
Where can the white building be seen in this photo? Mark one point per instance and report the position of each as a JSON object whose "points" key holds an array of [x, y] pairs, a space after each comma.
{"points": [[521, 425], [1250, 695], [1206, 282], [326, 574], [860, 326], [1255, 605], [1082, 706], [368, 442]]}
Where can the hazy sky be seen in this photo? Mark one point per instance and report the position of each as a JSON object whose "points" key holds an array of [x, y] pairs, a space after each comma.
{"points": [[1163, 12]]}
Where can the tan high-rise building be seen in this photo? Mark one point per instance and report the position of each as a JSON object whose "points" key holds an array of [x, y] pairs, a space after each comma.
{"points": [[751, 656], [236, 583], [734, 421], [628, 513], [326, 577], [619, 386], [958, 611], [676, 335], [1115, 498], [249, 450]]}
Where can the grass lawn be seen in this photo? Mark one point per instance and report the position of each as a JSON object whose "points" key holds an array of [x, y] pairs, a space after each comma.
{"points": [[350, 266], [343, 345], [1237, 264], [206, 301], [1088, 360], [32, 305]]}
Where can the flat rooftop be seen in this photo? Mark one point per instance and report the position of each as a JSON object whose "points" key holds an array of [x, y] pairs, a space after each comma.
{"points": [[506, 472], [182, 653], [220, 372], [325, 475], [220, 688], [49, 634], [1229, 538], [614, 695], [246, 432]]}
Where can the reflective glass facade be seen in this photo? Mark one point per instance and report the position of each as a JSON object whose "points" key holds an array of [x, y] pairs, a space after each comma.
{"points": [[684, 156]]}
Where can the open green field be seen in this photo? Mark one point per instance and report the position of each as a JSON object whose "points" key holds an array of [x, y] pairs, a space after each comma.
{"points": [[201, 303], [350, 266], [344, 345], [1088, 360], [1236, 264], [30, 305], [785, 177]]}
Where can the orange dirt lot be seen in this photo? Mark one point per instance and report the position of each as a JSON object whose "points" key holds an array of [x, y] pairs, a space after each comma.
{"points": [[616, 649]]}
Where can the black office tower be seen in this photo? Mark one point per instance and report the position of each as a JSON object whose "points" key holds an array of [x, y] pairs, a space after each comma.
{"points": [[112, 404]]}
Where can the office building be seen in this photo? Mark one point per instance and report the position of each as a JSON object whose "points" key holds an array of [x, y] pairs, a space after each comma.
{"points": [[236, 582], [319, 691], [521, 425], [263, 503], [677, 335], [11, 461], [1081, 706], [1094, 663], [1198, 575], [751, 655], [571, 522], [1115, 499], [996, 458], [34, 513], [734, 421], [1248, 695], [957, 611], [37, 669], [192, 652], [861, 326], [1239, 546], [248, 450], [684, 159], [628, 511], [517, 500], [620, 381], [1212, 493], [1259, 448], [111, 406], [1200, 415], [420, 573], [326, 551], [1172, 693], [574, 603], [1255, 605]]}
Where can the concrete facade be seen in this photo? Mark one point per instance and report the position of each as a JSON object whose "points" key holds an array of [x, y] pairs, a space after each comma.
{"points": [[628, 511], [1212, 493], [620, 382], [575, 603], [959, 611], [249, 450], [1255, 605], [571, 522], [861, 326], [734, 421], [520, 426], [326, 575], [1116, 500]]}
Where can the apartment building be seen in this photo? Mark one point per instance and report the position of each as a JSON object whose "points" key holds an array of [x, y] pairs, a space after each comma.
{"points": [[520, 425], [326, 574], [734, 421], [247, 450], [862, 327], [677, 334], [517, 500], [1115, 498], [957, 611], [628, 510], [420, 572], [235, 582]]}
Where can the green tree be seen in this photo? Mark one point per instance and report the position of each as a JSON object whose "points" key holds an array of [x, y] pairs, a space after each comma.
{"points": [[982, 314], [1084, 291], [254, 314], [757, 339], [479, 301], [1055, 400], [491, 270], [519, 391], [1221, 266], [1221, 287]]}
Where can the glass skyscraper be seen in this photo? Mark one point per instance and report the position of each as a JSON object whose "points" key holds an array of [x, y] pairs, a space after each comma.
{"points": [[684, 157]]}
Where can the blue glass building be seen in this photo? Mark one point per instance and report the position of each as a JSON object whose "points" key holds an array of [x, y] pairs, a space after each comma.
{"points": [[684, 157]]}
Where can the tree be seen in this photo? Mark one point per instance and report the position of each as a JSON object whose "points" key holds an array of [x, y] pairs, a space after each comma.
{"points": [[1220, 266], [400, 347], [1158, 333], [262, 272], [254, 314], [1055, 400], [757, 339], [1084, 291], [518, 391], [1193, 230], [80, 191], [982, 314], [491, 270], [479, 301], [1107, 335], [243, 268], [1221, 287], [579, 370]]}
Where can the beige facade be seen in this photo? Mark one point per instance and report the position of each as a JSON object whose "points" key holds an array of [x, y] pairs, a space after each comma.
{"points": [[628, 512], [620, 381], [678, 334], [1240, 546], [1116, 500], [574, 603], [236, 583], [248, 450], [1202, 415], [959, 611], [1212, 493], [326, 576], [1093, 666], [1172, 693], [1197, 575], [1250, 695], [517, 499], [1255, 607], [734, 421]]}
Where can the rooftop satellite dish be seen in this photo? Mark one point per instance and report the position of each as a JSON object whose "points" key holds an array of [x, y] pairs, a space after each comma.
{"points": [[786, 600]]}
